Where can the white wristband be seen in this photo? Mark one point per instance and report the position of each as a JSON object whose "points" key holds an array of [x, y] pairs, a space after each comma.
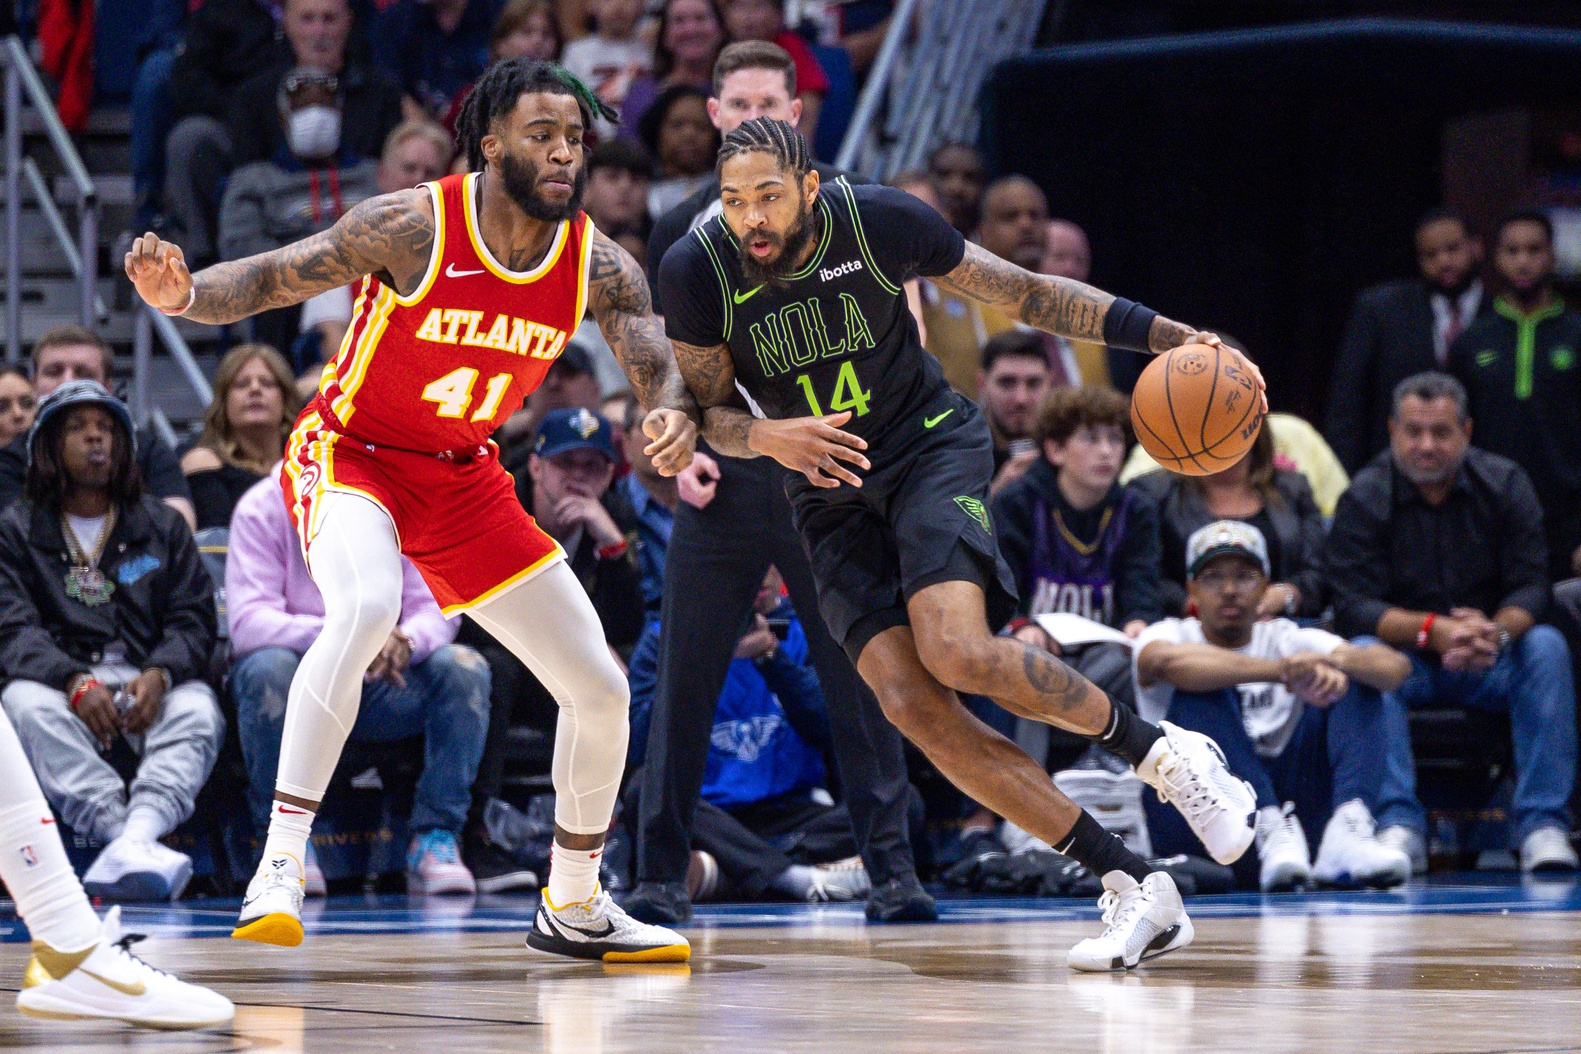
{"points": [[192, 298]]}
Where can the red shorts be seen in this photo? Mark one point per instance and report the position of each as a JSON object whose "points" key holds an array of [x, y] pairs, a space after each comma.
{"points": [[458, 520]]}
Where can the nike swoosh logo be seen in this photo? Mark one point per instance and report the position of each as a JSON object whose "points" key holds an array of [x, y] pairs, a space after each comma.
{"points": [[135, 989], [296, 812], [451, 272], [929, 422], [554, 923], [46, 823], [742, 298]]}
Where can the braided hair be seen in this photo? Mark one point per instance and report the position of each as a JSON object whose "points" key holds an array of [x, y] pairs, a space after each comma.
{"points": [[771, 136], [496, 93]]}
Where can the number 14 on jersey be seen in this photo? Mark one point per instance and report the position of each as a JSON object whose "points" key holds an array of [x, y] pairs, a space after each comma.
{"points": [[848, 393]]}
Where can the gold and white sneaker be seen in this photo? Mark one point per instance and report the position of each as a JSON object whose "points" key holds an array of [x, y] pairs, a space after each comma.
{"points": [[600, 929], [107, 981], [272, 912], [1143, 920]]}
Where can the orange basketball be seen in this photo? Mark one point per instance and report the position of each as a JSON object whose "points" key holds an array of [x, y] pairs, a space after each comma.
{"points": [[1196, 409]]}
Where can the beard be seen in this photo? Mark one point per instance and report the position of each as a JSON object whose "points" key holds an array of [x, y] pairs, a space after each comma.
{"points": [[520, 179], [790, 245]]}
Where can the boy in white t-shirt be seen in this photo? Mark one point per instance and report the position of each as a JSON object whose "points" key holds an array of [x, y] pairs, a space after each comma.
{"points": [[1298, 713], [614, 56]]}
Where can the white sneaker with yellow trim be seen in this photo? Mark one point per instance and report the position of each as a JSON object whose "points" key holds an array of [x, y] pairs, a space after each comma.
{"points": [[107, 981], [600, 929], [272, 911]]}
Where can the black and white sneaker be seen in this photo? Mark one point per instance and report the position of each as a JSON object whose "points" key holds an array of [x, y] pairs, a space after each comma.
{"points": [[1141, 921], [599, 929]]}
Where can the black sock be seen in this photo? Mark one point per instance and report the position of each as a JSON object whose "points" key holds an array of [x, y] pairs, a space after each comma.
{"points": [[1128, 735], [1099, 851]]}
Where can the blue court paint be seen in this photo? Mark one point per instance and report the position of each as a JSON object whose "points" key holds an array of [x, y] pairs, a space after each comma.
{"points": [[1444, 895]]}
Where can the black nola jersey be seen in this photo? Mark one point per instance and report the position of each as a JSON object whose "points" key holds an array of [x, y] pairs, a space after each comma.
{"points": [[835, 336]]}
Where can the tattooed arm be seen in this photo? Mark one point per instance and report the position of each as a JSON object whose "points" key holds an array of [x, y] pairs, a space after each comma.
{"points": [[1053, 304], [813, 446], [391, 235], [617, 292]]}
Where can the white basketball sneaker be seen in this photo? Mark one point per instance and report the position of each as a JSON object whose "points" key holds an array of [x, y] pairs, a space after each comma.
{"points": [[1350, 855], [1188, 770], [600, 929], [1142, 921], [1282, 849], [108, 981], [131, 869], [272, 912]]}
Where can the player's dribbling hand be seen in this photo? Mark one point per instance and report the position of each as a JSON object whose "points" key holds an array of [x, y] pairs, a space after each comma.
{"points": [[674, 436], [1213, 340], [159, 271], [813, 446]]}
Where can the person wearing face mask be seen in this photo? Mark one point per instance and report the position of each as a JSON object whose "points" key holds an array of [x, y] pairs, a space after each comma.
{"points": [[312, 181]]}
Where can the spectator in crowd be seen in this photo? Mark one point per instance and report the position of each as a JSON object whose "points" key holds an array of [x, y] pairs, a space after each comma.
{"points": [[1277, 501], [244, 431], [618, 177], [1297, 446], [653, 499], [568, 477], [732, 522], [1068, 254], [72, 353], [524, 29], [434, 49], [107, 622], [421, 683], [571, 383], [1296, 711], [1438, 549], [368, 99], [765, 20], [151, 109], [1011, 382], [958, 173], [951, 325], [1014, 221], [17, 404], [677, 132], [1401, 328], [416, 152], [858, 26], [300, 191], [691, 32], [1078, 542], [765, 761], [614, 56], [1521, 365], [228, 42]]}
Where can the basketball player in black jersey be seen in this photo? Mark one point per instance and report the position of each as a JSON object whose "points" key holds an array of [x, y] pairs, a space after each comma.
{"points": [[794, 292]]}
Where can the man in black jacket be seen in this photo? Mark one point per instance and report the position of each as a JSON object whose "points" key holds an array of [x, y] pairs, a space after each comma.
{"points": [[1397, 329], [727, 532], [107, 623]]}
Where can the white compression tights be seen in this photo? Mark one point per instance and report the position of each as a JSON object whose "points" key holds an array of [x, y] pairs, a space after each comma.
{"points": [[548, 622]]}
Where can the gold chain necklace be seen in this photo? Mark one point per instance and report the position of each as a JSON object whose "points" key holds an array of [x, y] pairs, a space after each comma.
{"points": [[85, 582]]}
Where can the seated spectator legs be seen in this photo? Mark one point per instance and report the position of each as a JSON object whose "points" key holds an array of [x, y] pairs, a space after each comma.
{"points": [[197, 161], [1533, 683], [151, 120]]}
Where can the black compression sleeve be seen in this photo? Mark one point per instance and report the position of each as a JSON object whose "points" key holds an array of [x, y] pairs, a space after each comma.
{"points": [[1128, 325]]}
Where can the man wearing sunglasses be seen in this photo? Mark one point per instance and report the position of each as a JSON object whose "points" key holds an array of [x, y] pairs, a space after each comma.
{"points": [[1298, 713]]}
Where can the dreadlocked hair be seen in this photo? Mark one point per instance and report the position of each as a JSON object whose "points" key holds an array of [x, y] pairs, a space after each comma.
{"points": [[48, 484], [496, 92], [772, 136]]}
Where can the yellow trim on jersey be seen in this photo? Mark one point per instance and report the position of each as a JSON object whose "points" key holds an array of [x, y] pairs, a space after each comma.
{"points": [[437, 257], [499, 270], [584, 268], [517, 579], [355, 370], [321, 452]]}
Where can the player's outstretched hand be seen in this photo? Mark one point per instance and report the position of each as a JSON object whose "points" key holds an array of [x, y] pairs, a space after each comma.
{"points": [[1212, 340], [813, 446], [674, 436], [159, 271]]}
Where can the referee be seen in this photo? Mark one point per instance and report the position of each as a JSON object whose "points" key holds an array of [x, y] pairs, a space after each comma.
{"points": [[715, 564]]}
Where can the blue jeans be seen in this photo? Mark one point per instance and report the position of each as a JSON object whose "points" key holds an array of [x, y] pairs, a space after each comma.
{"points": [[151, 122], [1532, 683], [1336, 754], [446, 700]]}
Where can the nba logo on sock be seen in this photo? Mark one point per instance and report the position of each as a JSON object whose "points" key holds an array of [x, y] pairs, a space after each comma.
{"points": [[29, 858]]}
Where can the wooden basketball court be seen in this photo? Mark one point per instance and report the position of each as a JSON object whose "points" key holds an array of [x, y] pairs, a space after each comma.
{"points": [[1441, 968]]}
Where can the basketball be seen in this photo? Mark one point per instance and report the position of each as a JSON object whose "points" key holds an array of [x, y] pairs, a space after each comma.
{"points": [[1196, 409]]}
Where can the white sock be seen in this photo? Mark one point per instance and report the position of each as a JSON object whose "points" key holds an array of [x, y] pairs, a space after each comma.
{"points": [[289, 827], [35, 869], [146, 823], [573, 875], [796, 880]]}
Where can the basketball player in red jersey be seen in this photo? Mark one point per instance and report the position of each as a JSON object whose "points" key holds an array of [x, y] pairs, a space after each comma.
{"points": [[468, 290]]}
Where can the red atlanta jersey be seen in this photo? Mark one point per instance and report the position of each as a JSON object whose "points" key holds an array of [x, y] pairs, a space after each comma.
{"points": [[443, 368]]}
